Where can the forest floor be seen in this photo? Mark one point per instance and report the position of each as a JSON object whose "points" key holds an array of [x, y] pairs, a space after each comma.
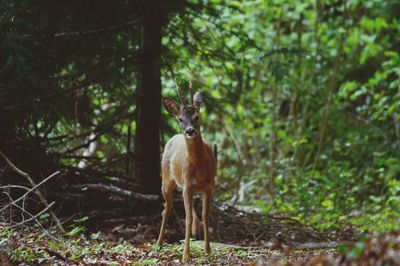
{"points": [[238, 238], [35, 247]]}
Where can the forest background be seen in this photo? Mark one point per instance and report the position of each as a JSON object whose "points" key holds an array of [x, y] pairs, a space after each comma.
{"points": [[302, 101]]}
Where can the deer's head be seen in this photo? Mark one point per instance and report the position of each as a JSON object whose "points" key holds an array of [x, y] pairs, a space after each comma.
{"points": [[187, 115]]}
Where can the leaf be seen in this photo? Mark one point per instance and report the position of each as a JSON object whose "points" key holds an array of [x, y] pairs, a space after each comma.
{"points": [[328, 204]]}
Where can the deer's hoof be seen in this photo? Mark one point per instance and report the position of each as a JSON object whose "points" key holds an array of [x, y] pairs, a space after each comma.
{"points": [[159, 245], [207, 250], [186, 257]]}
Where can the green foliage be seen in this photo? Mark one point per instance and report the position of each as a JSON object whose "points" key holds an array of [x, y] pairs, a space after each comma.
{"points": [[317, 84], [302, 99], [77, 227], [32, 248], [219, 253]]}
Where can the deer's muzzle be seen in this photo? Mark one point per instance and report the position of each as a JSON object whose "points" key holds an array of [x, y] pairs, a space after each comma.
{"points": [[190, 132]]}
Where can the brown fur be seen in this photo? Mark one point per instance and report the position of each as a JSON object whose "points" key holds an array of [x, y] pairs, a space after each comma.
{"points": [[193, 155], [190, 164]]}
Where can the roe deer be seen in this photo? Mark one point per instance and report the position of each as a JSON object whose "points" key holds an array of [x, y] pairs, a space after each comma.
{"points": [[188, 162]]}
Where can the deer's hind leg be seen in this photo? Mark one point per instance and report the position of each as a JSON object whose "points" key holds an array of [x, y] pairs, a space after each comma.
{"points": [[205, 214], [167, 189], [195, 223]]}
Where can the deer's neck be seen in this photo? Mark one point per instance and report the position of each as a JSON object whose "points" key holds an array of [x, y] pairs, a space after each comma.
{"points": [[195, 148]]}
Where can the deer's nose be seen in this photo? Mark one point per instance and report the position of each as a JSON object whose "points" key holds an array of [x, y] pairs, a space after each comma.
{"points": [[190, 131]]}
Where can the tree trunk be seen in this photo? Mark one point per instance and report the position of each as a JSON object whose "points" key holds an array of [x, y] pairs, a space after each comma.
{"points": [[148, 101], [331, 87]]}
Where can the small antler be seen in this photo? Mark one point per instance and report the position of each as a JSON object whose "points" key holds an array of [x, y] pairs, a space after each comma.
{"points": [[179, 93], [191, 93]]}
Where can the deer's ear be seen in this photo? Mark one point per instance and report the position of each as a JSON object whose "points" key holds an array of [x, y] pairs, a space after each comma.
{"points": [[197, 99], [171, 106]]}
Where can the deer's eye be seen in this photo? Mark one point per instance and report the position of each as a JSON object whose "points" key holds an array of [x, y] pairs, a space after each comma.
{"points": [[180, 120]]}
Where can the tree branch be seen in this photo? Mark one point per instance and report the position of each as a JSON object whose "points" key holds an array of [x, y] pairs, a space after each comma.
{"points": [[119, 191], [95, 31], [34, 217]]}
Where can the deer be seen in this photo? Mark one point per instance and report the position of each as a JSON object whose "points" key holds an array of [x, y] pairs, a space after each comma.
{"points": [[188, 162]]}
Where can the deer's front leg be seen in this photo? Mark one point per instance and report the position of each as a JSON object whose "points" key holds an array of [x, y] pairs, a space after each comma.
{"points": [[205, 216], [188, 201]]}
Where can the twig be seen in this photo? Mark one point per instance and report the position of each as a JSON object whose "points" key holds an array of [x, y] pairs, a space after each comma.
{"points": [[316, 245], [123, 220], [191, 93], [34, 187], [178, 91], [30, 190], [34, 217], [11, 210], [119, 191], [16, 186], [94, 31]]}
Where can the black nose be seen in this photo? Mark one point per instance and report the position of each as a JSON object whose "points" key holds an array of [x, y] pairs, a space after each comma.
{"points": [[190, 131]]}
